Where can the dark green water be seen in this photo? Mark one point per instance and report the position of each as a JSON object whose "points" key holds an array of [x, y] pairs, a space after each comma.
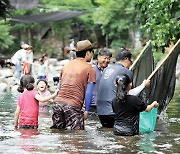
{"points": [[94, 139]]}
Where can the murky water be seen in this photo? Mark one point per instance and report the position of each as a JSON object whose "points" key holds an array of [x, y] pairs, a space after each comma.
{"points": [[94, 139]]}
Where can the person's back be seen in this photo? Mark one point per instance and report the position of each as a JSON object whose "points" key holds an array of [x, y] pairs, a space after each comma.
{"points": [[127, 108], [29, 108], [107, 88], [73, 82], [77, 80], [127, 114]]}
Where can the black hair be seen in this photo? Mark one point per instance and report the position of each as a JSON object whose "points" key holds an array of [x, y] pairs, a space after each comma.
{"points": [[122, 54], [26, 81], [41, 60], [104, 52], [82, 54], [43, 81], [122, 82], [45, 55]]}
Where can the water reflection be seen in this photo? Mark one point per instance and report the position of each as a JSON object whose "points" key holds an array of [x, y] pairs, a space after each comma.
{"points": [[94, 139], [28, 137]]}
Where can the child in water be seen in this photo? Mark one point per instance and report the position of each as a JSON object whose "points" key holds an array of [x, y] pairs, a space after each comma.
{"points": [[41, 69], [26, 114], [127, 108], [42, 86]]}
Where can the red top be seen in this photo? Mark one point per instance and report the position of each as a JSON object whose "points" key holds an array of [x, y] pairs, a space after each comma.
{"points": [[29, 108]]}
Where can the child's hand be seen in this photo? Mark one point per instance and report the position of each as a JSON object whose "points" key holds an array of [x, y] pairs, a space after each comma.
{"points": [[56, 91], [50, 101]]}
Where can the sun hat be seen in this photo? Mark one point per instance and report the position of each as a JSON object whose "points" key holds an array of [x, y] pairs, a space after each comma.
{"points": [[85, 45]]}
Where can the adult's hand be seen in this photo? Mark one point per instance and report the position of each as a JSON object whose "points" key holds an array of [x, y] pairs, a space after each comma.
{"points": [[146, 83], [86, 115]]}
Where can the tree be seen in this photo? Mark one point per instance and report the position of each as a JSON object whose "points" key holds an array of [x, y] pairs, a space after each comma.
{"points": [[159, 21], [117, 21], [5, 38], [4, 8]]}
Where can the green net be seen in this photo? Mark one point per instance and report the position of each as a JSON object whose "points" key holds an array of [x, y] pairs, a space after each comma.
{"points": [[147, 121]]}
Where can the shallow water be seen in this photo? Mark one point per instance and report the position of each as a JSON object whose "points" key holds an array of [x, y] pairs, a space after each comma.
{"points": [[94, 139]]}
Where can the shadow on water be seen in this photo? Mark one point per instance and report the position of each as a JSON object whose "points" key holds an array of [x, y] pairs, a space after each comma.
{"points": [[94, 139]]}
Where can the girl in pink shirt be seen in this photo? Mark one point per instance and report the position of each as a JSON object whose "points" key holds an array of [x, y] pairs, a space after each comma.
{"points": [[42, 87], [26, 114]]}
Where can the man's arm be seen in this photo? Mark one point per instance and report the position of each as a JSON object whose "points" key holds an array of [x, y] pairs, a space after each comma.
{"points": [[88, 98]]}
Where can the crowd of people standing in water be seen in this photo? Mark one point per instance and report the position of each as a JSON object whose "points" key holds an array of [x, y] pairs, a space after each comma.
{"points": [[83, 88]]}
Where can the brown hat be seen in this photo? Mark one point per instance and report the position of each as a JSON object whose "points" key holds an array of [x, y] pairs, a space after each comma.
{"points": [[85, 45]]}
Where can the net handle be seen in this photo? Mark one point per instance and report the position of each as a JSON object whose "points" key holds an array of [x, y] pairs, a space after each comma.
{"points": [[164, 60]]}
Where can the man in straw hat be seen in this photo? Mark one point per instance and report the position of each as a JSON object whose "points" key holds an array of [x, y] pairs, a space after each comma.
{"points": [[77, 79]]}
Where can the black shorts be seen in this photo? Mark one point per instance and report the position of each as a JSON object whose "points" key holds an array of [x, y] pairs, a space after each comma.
{"points": [[107, 120]]}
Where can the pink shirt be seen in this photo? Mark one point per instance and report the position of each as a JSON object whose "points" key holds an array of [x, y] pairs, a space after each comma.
{"points": [[44, 106], [29, 108]]}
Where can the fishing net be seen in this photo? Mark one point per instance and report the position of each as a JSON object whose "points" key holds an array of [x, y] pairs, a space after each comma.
{"points": [[24, 4], [162, 84]]}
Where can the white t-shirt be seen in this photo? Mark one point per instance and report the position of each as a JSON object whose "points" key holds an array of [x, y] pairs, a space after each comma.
{"points": [[18, 56]]}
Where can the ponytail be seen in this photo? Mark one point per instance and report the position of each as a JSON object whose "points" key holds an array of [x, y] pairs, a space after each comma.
{"points": [[29, 86], [26, 81], [20, 89], [122, 82]]}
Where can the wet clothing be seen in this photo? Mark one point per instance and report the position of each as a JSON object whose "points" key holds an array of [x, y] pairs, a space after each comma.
{"points": [[107, 120], [75, 76], [29, 108], [44, 106], [67, 117], [28, 127], [127, 115]]}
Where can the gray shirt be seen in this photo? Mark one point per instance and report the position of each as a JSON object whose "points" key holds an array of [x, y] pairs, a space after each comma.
{"points": [[107, 89]]}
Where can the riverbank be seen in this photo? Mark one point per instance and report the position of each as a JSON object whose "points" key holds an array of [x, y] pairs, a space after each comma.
{"points": [[9, 82]]}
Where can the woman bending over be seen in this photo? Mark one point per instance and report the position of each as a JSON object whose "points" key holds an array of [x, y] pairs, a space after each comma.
{"points": [[127, 108]]}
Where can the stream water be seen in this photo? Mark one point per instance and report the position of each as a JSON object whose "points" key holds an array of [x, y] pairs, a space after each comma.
{"points": [[94, 139]]}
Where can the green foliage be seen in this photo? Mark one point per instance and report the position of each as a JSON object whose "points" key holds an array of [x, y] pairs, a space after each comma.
{"points": [[4, 8], [5, 38], [159, 20], [111, 22], [68, 4], [116, 18], [158, 56]]}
